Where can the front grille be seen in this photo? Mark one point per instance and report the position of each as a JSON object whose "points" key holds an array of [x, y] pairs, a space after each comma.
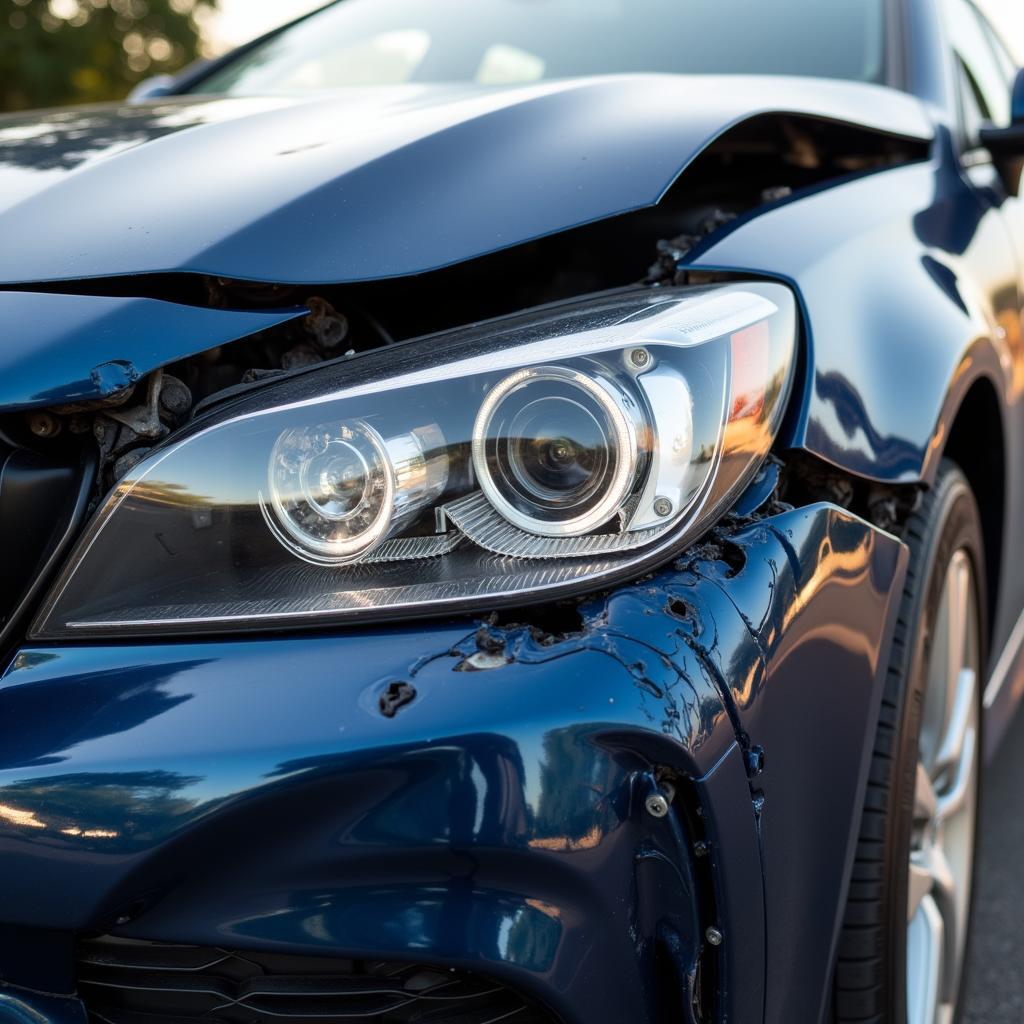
{"points": [[128, 982]]}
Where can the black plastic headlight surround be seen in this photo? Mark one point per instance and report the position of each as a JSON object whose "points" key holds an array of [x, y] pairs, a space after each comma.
{"points": [[504, 463]]}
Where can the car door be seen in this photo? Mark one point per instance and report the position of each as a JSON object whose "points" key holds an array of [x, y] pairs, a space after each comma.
{"points": [[993, 69], [994, 258]]}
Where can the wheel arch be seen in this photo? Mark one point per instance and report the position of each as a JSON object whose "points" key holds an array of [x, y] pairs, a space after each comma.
{"points": [[976, 442]]}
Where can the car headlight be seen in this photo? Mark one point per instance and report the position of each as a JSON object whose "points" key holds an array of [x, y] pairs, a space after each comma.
{"points": [[506, 462]]}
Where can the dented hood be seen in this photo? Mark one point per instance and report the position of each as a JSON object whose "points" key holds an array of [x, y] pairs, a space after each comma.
{"points": [[58, 350], [369, 183]]}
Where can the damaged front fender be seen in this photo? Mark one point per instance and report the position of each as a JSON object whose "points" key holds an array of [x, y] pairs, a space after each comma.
{"points": [[798, 630], [887, 271], [478, 794]]}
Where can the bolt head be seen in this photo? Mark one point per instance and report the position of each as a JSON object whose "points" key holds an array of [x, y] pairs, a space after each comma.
{"points": [[175, 398], [657, 805], [714, 936], [640, 357], [662, 507], [43, 425]]}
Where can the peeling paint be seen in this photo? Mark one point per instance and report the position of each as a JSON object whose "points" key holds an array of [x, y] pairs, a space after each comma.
{"points": [[113, 377], [395, 697]]}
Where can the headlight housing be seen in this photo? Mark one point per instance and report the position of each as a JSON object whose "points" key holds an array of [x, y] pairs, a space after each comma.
{"points": [[502, 463]]}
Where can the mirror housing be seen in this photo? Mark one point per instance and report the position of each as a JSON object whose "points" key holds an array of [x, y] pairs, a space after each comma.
{"points": [[1007, 144]]}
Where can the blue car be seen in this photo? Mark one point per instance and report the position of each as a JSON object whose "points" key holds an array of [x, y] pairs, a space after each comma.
{"points": [[512, 512]]}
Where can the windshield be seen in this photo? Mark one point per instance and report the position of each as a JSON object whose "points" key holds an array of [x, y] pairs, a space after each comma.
{"points": [[507, 42]]}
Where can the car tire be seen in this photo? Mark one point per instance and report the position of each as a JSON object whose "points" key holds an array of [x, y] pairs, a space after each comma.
{"points": [[896, 962]]}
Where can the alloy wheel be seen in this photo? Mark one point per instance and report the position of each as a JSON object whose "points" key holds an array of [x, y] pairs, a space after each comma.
{"points": [[945, 803]]}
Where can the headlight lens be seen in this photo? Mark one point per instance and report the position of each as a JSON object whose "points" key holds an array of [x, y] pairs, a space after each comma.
{"points": [[500, 463], [337, 489], [555, 450]]}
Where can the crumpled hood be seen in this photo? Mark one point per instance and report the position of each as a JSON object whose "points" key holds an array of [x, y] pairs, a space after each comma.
{"points": [[65, 349], [369, 183]]}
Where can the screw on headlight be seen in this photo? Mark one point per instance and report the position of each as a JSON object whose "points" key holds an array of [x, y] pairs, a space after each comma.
{"points": [[42, 424], [640, 358], [657, 805], [659, 801], [663, 507]]}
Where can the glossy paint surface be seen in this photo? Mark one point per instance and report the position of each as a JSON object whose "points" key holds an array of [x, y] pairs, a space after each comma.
{"points": [[251, 794], [817, 593], [37, 1008], [58, 349], [370, 183], [930, 308], [910, 330]]}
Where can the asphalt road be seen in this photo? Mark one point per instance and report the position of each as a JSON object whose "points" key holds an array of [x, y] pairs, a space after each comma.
{"points": [[995, 973]]}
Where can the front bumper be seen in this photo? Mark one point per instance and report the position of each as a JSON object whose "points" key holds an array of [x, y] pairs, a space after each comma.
{"points": [[253, 794]]}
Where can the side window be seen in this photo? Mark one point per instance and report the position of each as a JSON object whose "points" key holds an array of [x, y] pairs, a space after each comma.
{"points": [[973, 111], [985, 76], [1006, 62]]}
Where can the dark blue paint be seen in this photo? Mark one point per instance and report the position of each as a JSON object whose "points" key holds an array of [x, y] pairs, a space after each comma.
{"points": [[885, 353], [1017, 99], [930, 307], [371, 183], [497, 820], [811, 565], [735, 841], [37, 1008], [59, 349], [251, 793]]}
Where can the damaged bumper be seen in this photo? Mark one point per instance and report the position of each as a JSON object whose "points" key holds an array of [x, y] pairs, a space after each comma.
{"points": [[470, 796]]}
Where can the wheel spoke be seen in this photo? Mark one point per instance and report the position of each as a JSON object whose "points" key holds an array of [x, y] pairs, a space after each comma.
{"points": [[943, 886], [944, 895], [957, 585], [925, 800], [919, 884], [961, 788], [961, 720], [925, 945]]}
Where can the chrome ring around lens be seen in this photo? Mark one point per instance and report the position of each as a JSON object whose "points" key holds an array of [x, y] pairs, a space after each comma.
{"points": [[603, 477], [332, 489]]}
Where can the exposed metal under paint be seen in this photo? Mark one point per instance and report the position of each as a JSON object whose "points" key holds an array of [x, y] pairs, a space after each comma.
{"points": [[395, 697]]}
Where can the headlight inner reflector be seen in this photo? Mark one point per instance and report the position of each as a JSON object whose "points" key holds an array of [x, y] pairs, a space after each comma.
{"points": [[338, 490], [555, 450], [332, 489]]}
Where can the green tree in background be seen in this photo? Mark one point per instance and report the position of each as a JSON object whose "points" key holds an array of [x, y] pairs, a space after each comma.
{"points": [[54, 52]]}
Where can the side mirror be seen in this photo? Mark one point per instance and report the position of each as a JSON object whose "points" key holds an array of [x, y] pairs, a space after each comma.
{"points": [[151, 88], [1007, 144]]}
